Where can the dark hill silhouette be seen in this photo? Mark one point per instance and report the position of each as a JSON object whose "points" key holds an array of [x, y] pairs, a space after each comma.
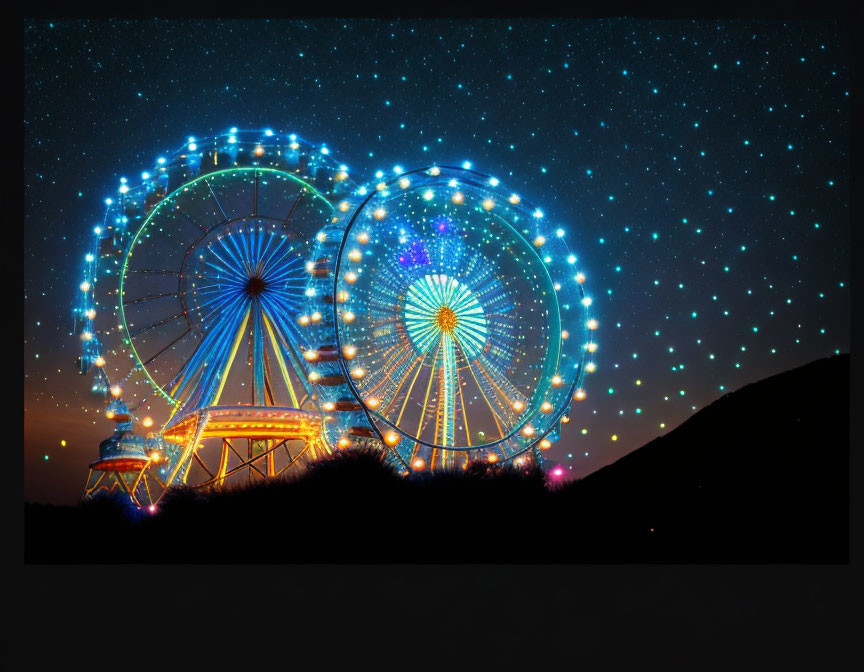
{"points": [[760, 475]]}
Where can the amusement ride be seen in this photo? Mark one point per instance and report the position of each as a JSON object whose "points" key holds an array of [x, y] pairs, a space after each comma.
{"points": [[252, 309]]}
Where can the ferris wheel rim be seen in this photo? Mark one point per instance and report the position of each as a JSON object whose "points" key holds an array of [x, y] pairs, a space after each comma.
{"points": [[147, 220]]}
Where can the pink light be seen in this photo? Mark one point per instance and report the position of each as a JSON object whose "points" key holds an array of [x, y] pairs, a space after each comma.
{"points": [[152, 508], [557, 472]]}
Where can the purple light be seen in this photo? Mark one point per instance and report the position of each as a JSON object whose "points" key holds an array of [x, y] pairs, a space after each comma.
{"points": [[415, 255], [442, 224]]}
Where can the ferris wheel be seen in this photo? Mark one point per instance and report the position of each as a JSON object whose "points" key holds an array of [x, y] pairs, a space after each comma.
{"points": [[206, 289], [461, 317]]}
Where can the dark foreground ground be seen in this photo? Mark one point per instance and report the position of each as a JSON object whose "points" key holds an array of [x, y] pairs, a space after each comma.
{"points": [[761, 475]]}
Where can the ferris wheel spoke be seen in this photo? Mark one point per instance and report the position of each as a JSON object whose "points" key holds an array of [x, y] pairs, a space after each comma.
{"points": [[261, 263], [486, 398], [221, 300], [234, 252], [172, 343], [266, 261], [502, 383], [209, 359], [142, 330], [293, 207], [230, 272], [187, 217], [151, 297], [151, 272], [255, 195], [213, 194], [428, 389]]}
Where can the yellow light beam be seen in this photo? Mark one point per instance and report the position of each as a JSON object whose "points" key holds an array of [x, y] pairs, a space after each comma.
{"points": [[280, 360], [240, 332]]}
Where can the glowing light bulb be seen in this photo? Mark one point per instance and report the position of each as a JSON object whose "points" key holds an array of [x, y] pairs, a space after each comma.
{"points": [[349, 351], [259, 151], [99, 361], [155, 457], [586, 302], [428, 194], [116, 391], [328, 406], [493, 181], [148, 422], [381, 186], [355, 255], [341, 296], [557, 381], [86, 336], [418, 464], [344, 206], [109, 414], [527, 431], [85, 286], [344, 442], [363, 238], [580, 278], [316, 316], [591, 347], [591, 324], [392, 439], [457, 198], [310, 355], [590, 367], [518, 406], [546, 407], [514, 199], [304, 320], [545, 444], [341, 176], [435, 171], [358, 373], [492, 458], [404, 182], [373, 402], [579, 396], [90, 314], [320, 236], [314, 376], [350, 277], [539, 241], [348, 317], [565, 334], [379, 213], [488, 204]]}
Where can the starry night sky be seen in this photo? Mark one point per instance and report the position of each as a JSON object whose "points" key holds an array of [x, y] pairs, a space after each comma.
{"points": [[700, 167]]}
